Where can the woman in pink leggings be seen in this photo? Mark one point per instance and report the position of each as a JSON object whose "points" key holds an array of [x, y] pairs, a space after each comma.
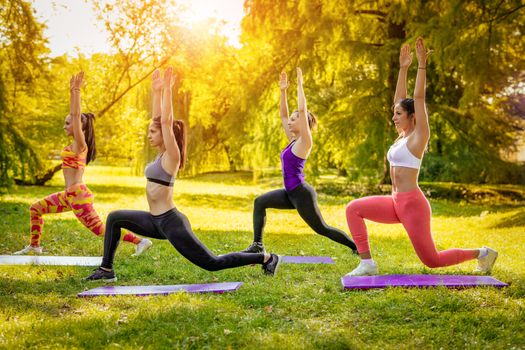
{"points": [[407, 204]]}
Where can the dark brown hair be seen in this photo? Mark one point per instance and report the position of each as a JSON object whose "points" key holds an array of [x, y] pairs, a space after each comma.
{"points": [[179, 131], [408, 105], [88, 128], [312, 119]]}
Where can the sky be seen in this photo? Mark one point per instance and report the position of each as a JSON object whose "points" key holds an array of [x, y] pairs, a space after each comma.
{"points": [[72, 26]]}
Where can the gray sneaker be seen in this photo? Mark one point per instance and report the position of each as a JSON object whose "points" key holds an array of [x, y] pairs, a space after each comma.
{"points": [[100, 274], [255, 247], [271, 266]]}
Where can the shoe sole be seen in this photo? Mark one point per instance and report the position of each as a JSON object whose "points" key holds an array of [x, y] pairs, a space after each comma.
{"points": [[106, 280]]}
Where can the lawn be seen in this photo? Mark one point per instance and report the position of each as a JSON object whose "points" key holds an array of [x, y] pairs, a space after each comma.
{"points": [[303, 307]]}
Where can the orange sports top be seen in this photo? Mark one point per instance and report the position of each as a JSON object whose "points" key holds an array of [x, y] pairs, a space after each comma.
{"points": [[72, 160]]}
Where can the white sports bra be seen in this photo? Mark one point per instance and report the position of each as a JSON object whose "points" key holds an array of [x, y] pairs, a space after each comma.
{"points": [[399, 155]]}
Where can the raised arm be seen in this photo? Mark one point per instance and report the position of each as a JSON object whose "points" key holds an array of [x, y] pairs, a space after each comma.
{"points": [[422, 131], [304, 141], [405, 59], [79, 142], [156, 86], [172, 161], [283, 107]]}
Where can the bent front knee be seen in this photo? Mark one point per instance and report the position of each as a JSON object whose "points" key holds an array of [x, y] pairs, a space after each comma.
{"points": [[352, 207], [431, 262]]}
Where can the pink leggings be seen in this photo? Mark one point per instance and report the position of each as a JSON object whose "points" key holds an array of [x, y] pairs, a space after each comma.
{"points": [[413, 211]]}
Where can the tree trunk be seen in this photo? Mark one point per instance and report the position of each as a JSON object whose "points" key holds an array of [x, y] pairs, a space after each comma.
{"points": [[40, 180]]}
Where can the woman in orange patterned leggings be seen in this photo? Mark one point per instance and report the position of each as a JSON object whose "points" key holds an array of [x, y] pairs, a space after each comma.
{"points": [[76, 197]]}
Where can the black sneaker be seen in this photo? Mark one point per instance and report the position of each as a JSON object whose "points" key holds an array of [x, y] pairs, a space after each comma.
{"points": [[271, 266], [100, 274], [255, 247]]}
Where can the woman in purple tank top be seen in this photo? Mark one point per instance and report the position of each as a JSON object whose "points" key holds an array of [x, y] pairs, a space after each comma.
{"points": [[296, 194]]}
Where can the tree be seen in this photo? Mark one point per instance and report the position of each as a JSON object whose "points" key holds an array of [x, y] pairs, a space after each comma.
{"points": [[22, 56]]}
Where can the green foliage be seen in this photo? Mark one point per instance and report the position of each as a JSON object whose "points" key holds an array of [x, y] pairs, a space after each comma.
{"points": [[229, 98], [350, 57], [21, 64]]}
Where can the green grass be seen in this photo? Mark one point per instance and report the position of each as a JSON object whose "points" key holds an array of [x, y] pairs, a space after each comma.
{"points": [[304, 307]]}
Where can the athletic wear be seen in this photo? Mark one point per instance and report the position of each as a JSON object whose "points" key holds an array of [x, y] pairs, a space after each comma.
{"points": [[411, 209], [270, 267], [29, 249], [155, 173], [367, 267], [77, 198], [255, 247], [292, 168], [304, 199], [175, 227], [486, 262], [399, 155], [144, 245], [72, 160], [100, 274]]}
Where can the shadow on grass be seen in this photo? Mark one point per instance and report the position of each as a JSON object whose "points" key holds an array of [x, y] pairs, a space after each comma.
{"points": [[229, 178], [516, 220], [215, 201], [445, 208]]}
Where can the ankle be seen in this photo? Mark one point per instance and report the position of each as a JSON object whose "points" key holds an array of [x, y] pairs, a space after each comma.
{"points": [[368, 261], [106, 269], [483, 252]]}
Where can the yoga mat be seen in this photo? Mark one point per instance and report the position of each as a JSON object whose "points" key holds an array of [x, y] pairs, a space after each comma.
{"points": [[307, 260], [419, 281], [161, 290], [50, 260]]}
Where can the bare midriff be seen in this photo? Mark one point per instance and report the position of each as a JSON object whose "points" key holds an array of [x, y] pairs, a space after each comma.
{"points": [[403, 179], [72, 176], [160, 198]]}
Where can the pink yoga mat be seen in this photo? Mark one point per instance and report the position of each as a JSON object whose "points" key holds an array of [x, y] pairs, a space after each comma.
{"points": [[161, 290], [419, 281]]}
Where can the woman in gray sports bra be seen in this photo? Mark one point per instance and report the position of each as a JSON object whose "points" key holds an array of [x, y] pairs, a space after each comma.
{"points": [[164, 221]]}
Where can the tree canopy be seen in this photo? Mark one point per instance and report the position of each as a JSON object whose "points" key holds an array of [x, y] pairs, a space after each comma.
{"points": [[228, 95]]}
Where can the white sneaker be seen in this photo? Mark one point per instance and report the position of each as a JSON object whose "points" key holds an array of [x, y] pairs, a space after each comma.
{"points": [[364, 269], [486, 263], [28, 249], [144, 245]]}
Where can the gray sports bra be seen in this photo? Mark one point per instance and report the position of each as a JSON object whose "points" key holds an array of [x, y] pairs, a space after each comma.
{"points": [[155, 173]]}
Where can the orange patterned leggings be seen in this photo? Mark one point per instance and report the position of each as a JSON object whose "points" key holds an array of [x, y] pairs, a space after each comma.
{"points": [[77, 198]]}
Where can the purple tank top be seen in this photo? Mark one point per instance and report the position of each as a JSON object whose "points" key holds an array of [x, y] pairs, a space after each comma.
{"points": [[292, 167]]}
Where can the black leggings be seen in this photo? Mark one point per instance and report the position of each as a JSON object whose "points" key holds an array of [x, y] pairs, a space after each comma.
{"points": [[304, 199], [175, 227]]}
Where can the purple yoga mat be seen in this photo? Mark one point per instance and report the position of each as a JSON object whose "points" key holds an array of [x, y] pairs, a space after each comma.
{"points": [[161, 290], [419, 281], [307, 260]]}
